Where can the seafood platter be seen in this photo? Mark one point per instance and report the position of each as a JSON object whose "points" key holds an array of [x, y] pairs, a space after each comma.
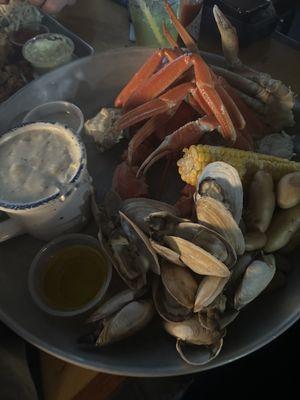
{"points": [[184, 191], [21, 25]]}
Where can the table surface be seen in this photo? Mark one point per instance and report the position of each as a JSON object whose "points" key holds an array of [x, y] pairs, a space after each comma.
{"points": [[104, 25]]}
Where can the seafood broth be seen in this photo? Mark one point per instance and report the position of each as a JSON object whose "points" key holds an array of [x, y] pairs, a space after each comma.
{"points": [[36, 161]]}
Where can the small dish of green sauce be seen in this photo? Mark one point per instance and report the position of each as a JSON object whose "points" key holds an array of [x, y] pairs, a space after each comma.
{"points": [[48, 51], [69, 276]]}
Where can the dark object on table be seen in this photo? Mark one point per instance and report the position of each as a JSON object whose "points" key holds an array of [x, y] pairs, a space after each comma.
{"points": [[13, 76], [253, 19], [285, 10]]}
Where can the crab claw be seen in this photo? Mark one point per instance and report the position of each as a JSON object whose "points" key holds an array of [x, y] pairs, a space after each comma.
{"points": [[185, 136], [229, 37]]}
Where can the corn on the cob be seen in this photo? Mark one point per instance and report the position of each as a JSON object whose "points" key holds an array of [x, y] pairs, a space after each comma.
{"points": [[196, 158]]}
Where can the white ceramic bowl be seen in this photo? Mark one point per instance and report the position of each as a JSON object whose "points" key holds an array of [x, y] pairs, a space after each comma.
{"points": [[38, 269]]}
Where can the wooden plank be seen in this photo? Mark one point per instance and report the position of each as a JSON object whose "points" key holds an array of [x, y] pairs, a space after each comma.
{"points": [[64, 381], [102, 387]]}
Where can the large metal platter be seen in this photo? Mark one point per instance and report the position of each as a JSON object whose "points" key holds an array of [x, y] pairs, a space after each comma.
{"points": [[91, 83]]}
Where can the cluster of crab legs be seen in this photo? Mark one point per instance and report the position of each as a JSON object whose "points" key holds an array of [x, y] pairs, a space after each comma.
{"points": [[181, 99]]}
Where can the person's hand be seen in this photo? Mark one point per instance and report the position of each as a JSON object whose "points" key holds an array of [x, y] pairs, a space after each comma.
{"points": [[48, 6], [51, 6]]}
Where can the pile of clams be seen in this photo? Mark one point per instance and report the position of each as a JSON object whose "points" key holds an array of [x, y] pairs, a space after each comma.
{"points": [[197, 275]]}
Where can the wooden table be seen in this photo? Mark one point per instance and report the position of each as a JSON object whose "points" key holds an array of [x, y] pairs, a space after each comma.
{"points": [[104, 24]]}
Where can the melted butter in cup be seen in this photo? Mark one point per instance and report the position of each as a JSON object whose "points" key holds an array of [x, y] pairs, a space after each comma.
{"points": [[73, 277], [69, 276]]}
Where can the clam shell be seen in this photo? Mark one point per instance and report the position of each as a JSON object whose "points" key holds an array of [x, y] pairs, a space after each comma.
{"points": [[288, 190], [137, 209], [237, 274], [145, 250], [196, 258], [261, 202], [163, 223], [113, 305], [129, 320], [210, 317], [125, 261], [180, 284], [198, 355], [215, 215], [228, 179], [255, 240], [228, 317], [167, 253], [166, 306], [191, 331], [208, 239], [256, 278], [209, 289]]}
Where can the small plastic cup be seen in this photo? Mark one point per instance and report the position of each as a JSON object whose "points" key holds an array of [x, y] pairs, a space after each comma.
{"points": [[61, 112], [48, 51], [38, 270]]}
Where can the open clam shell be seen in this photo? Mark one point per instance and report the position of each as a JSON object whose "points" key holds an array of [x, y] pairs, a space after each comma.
{"points": [[126, 261], [163, 223], [146, 253], [208, 290], [210, 317], [166, 253], [222, 182], [198, 355], [137, 209], [196, 258], [208, 239], [215, 215], [191, 331], [180, 284], [166, 306]]}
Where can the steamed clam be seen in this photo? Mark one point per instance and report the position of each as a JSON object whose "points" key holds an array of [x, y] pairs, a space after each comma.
{"points": [[162, 224], [209, 289], [113, 305], [130, 319], [166, 305], [222, 182], [256, 278], [217, 217], [180, 284], [138, 209], [195, 344], [196, 258], [261, 202], [288, 190]]}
